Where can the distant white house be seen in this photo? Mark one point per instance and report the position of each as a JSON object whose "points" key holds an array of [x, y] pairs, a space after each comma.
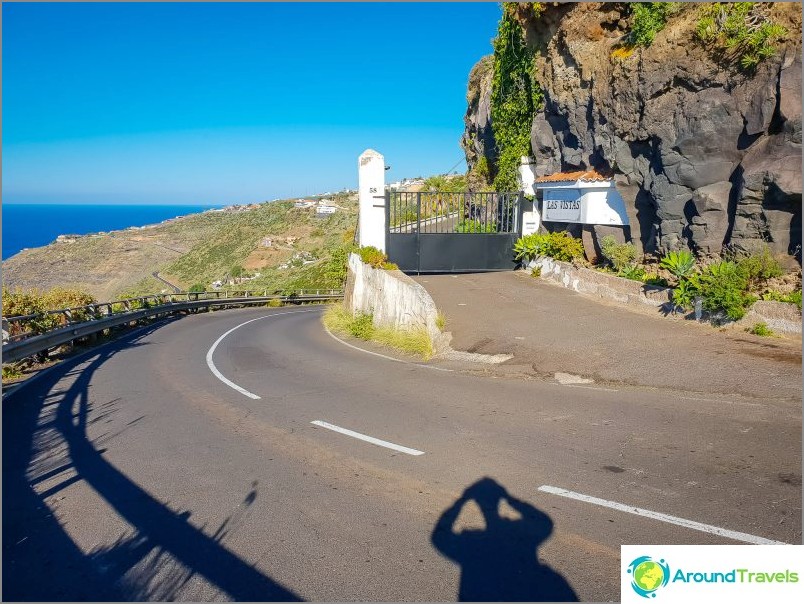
{"points": [[304, 203], [323, 210]]}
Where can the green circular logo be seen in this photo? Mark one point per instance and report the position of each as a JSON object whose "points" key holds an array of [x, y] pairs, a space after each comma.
{"points": [[648, 575]]}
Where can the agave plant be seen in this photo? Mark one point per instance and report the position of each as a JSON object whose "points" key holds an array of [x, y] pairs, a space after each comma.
{"points": [[528, 247], [681, 263]]}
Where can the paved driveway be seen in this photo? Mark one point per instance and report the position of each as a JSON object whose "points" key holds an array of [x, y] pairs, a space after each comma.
{"points": [[550, 329]]}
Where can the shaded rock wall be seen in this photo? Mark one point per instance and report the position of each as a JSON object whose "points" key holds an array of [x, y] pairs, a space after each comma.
{"points": [[704, 155]]}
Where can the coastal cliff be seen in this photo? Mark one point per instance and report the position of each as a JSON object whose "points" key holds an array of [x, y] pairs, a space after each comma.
{"points": [[705, 149]]}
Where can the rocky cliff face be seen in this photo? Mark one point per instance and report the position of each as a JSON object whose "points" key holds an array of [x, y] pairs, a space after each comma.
{"points": [[704, 154]]}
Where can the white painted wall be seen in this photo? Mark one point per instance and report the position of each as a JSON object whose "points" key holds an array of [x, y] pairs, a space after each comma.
{"points": [[601, 203], [371, 194], [603, 206]]}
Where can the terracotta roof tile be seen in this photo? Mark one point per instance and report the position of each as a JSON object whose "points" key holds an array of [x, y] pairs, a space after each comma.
{"points": [[583, 175]]}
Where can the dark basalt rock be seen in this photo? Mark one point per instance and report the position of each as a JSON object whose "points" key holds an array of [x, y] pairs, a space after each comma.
{"points": [[704, 155]]}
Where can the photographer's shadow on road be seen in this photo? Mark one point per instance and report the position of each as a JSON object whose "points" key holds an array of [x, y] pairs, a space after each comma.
{"points": [[499, 562]]}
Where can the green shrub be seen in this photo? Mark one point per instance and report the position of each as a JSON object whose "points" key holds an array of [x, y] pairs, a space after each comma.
{"points": [[681, 263], [536, 272], [11, 371], [758, 265], [390, 266], [335, 269], [275, 303], [791, 298], [20, 303], [724, 287], [760, 329], [445, 184], [362, 326], [372, 256], [740, 30], [559, 245], [619, 255], [633, 272], [198, 288], [685, 292], [441, 321], [475, 226], [649, 18]]}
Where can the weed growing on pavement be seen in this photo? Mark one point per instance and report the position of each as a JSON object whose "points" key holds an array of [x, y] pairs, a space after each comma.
{"points": [[441, 321], [11, 371], [760, 329], [412, 341]]}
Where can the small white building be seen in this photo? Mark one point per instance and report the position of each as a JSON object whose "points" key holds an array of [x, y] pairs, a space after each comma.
{"points": [[581, 197], [323, 210]]}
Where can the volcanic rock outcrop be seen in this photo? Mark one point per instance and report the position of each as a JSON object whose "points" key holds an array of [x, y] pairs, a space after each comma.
{"points": [[705, 154]]}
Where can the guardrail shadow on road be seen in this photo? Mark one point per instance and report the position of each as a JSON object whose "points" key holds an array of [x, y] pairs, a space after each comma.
{"points": [[40, 560], [500, 562]]}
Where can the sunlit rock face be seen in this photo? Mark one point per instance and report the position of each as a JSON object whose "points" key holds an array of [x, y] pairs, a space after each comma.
{"points": [[705, 154]]}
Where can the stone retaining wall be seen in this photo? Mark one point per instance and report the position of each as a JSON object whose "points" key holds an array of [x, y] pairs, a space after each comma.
{"points": [[779, 316], [393, 298], [609, 287]]}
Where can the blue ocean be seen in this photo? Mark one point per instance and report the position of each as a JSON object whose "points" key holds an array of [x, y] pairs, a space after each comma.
{"points": [[34, 225]]}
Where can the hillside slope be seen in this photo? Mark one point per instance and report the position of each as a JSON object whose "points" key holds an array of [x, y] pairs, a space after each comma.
{"points": [[198, 248]]}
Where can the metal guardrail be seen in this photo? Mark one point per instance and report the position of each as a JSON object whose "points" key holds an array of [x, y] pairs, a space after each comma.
{"points": [[21, 346]]}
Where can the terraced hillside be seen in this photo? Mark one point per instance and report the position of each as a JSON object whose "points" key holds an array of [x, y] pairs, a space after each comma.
{"points": [[230, 246]]}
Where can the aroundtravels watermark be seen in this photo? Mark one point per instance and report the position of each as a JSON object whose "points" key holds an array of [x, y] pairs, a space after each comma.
{"points": [[690, 573]]}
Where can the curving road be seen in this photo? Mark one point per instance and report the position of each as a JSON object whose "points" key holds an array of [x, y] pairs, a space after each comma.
{"points": [[144, 470]]}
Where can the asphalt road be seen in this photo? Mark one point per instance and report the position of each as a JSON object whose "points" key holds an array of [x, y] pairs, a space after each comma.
{"points": [[137, 473]]}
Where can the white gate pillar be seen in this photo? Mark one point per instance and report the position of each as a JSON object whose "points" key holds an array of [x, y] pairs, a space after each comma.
{"points": [[371, 194], [531, 217]]}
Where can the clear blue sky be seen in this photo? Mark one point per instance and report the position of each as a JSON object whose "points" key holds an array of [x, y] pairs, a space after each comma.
{"points": [[226, 103]]}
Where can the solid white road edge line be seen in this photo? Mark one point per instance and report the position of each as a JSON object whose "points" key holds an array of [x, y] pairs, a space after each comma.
{"points": [[211, 351], [377, 354], [368, 439], [690, 524]]}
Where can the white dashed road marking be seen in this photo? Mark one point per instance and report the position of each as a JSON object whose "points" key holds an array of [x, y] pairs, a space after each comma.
{"points": [[690, 524], [368, 439]]}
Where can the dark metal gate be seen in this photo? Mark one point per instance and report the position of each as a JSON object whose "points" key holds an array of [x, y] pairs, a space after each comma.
{"points": [[430, 232]]}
